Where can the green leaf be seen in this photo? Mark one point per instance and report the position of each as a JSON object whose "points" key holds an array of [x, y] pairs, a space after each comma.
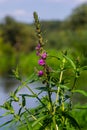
{"points": [[73, 121], [80, 107], [16, 73], [28, 123], [70, 61], [14, 97], [42, 88], [8, 106], [16, 117], [32, 78], [84, 68], [27, 95], [63, 86], [38, 120], [80, 91], [19, 112], [18, 89], [55, 57], [23, 101], [2, 106], [6, 123], [6, 114]]}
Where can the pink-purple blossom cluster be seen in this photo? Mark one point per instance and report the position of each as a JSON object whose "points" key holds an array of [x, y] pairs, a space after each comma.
{"points": [[42, 58], [44, 55], [41, 62]]}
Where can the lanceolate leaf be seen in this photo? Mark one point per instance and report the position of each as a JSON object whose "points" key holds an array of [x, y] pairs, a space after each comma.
{"points": [[18, 89], [84, 68], [80, 107], [6, 123], [19, 112], [6, 114], [55, 57], [32, 78], [16, 73], [42, 88], [73, 121], [27, 95], [28, 123], [38, 120], [70, 61], [81, 92], [23, 101], [63, 86]]}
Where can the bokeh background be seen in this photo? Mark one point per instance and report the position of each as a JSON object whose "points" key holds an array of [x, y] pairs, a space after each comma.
{"points": [[64, 27]]}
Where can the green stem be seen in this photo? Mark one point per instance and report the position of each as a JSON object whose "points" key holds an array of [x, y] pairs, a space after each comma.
{"points": [[75, 79], [35, 95], [54, 122], [73, 86], [58, 90], [49, 95], [32, 115]]}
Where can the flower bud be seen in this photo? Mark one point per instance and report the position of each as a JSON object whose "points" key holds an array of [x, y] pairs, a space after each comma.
{"points": [[40, 73]]}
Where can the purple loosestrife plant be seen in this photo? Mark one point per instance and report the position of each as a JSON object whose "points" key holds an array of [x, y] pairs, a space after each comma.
{"points": [[54, 109]]}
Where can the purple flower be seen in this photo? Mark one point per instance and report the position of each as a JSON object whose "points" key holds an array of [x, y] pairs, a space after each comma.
{"points": [[40, 73], [41, 62], [44, 55], [38, 47]]}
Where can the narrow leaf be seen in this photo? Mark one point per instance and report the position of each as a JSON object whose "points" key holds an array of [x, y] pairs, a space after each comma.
{"points": [[73, 121], [6, 114], [80, 107], [63, 86], [19, 112], [6, 123], [81, 92], [27, 95], [23, 101], [70, 61], [84, 68], [18, 89], [42, 88], [38, 120], [28, 123], [55, 57]]}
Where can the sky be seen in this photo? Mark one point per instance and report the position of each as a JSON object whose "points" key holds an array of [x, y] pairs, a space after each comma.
{"points": [[22, 10]]}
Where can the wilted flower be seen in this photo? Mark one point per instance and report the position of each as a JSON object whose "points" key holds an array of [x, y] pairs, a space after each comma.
{"points": [[38, 53], [38, 47], [41, 62]]}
